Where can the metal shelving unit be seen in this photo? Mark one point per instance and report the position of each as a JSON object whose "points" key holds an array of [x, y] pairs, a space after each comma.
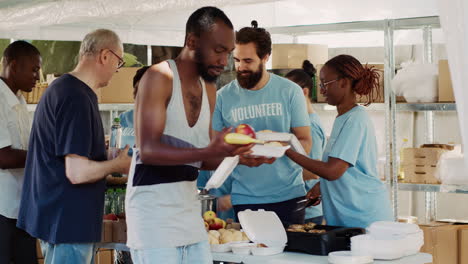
{"points": [[435, 188], [391, 107], [409, 107], [113, 109]]}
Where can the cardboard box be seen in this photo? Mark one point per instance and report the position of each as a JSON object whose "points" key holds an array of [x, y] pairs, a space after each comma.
{"points": [[445, 83], [378, 98], [104, 256], [463, 245], [441, 241], [419, 165], [119, 231], [120, 87], [106, 236], [291, 56]]}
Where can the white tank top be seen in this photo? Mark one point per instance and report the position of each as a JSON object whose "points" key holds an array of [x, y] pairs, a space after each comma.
{"points": [[162, 206]]}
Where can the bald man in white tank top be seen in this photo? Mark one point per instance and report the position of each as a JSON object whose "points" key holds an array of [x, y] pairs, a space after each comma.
{"points": [[174, 106]]}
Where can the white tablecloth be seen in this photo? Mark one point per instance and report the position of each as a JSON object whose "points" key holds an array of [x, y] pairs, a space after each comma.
{"points": [[299, 258], [286, 257]]}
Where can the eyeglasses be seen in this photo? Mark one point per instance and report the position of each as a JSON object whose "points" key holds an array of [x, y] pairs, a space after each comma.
{"points": [[323, 86], [121, 60]]}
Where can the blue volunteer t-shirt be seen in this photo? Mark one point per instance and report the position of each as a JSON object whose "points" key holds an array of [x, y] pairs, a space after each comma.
{"points": [[66, 121], [318, 145], [278, 106], [359, 197]]}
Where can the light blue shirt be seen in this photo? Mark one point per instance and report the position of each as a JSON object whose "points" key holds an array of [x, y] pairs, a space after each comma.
{"points": [[318, 145], [278, 106], [358, 198], [128, 131]]}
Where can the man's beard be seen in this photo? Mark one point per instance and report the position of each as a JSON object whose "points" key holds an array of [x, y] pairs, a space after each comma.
{"points": [[203, 69], [249, 81]]}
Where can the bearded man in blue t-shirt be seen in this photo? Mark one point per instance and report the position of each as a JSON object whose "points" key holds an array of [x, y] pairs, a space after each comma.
{"points": [[265, 101]]}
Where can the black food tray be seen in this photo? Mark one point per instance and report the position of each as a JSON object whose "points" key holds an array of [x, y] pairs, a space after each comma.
{"points": [[335, 239]]}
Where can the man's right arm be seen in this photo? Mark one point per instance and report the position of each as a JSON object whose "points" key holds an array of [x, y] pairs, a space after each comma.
{"points": [[11, 158], [154, 93], [80, 170]]}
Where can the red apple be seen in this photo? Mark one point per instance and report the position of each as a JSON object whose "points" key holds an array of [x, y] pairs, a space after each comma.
{"points": [[246, 130], [217, 224], [112, 217]]}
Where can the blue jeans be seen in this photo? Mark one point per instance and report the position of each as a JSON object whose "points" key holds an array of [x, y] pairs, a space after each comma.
{"points": [[198, 253], [78, 253]]}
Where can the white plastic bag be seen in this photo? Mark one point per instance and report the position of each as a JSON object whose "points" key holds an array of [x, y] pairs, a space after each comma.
{"points": [[451, 169], [417, 82]]}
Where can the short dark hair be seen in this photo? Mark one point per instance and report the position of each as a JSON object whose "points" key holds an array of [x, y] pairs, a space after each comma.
{"points": [[18, 49], [203, 18], [303, 77], [139, 73], [259, 36]]}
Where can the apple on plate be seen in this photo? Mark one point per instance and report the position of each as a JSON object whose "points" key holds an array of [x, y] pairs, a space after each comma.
{"points": [[246, 130], [209, 215]]}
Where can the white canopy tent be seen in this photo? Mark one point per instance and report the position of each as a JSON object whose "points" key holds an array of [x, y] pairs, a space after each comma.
{"points": [[162, 22], [155, 22]]}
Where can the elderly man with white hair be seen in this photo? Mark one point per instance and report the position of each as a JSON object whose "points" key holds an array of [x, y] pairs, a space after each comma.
{"points": [[63, 193]]}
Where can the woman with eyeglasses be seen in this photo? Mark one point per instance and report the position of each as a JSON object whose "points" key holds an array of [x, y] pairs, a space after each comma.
{"points": [[352, 193]]}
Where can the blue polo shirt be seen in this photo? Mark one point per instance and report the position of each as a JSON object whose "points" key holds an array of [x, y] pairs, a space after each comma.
{"points": [[66, 121]]}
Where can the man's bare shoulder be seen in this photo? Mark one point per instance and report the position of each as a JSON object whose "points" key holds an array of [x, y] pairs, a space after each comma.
{"points": [[160, 71]]}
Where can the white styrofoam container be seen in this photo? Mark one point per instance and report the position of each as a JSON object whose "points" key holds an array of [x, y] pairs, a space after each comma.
{"points": [[264, 227], [389, 240], [222, 172], [243, 248], [229, 164], [284, 137], [221, 248], [268, 151], [391, 230]]}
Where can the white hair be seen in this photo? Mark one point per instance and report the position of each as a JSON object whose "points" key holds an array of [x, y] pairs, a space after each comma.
{"points": [[98, 40]]}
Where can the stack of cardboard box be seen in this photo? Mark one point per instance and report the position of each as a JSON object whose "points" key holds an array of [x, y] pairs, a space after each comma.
{"points": [[446, 242]]}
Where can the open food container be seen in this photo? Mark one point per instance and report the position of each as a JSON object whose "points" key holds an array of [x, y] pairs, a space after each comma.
{"points": [[322, 239], [265, 229], [229, 164]]}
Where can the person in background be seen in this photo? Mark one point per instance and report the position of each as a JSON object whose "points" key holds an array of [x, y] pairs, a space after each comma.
{"points": [[20, 72], [353, 195], [62, 202], [303, 78], [126, 118], [265, 101]]}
